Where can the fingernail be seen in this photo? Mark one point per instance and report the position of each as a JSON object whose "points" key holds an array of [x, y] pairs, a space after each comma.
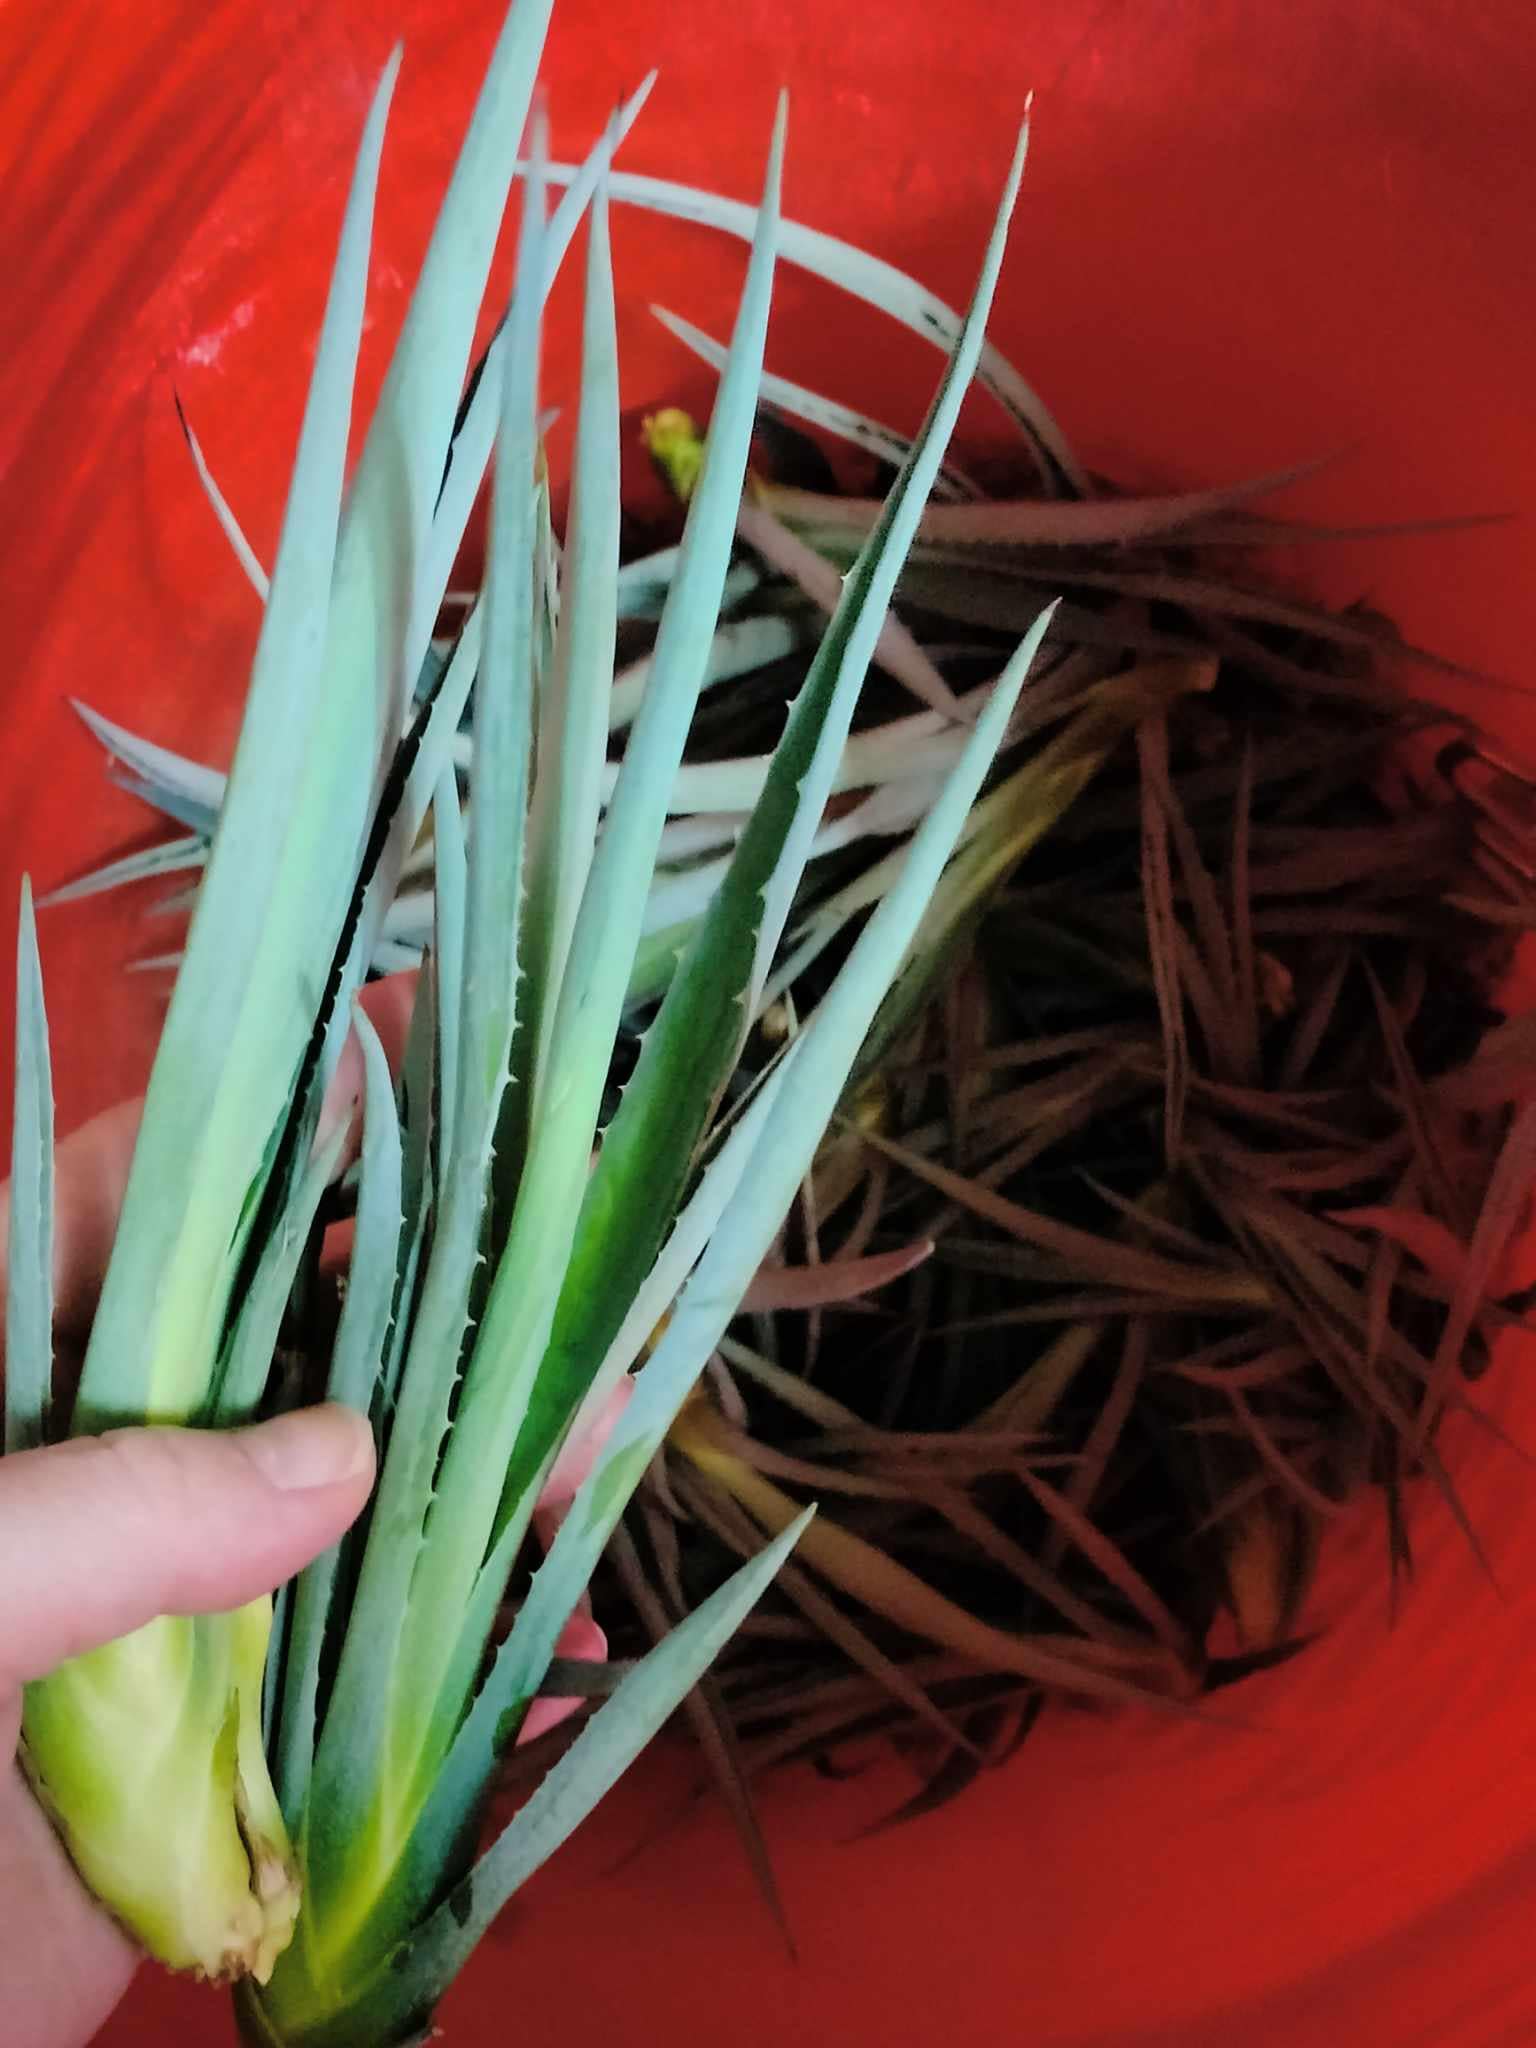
{"points": [[310, 1447]]}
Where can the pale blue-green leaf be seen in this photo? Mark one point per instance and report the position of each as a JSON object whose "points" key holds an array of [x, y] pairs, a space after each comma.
{"points": [[739, 646], [472, 443], [246, 1364], [390, 957], [417, 1974], [644, 583], [922, 744], [372, 1270], [878, 284], [524, 1291], [430, 771], [192, 817], [400, 471], [408, 919], [825, 1053], [694, 1042], [870, 435], [397, 1344], [29, 1257], [577, 196], [573, 707], [245, 1001], [461, 488], [685, 839], [171, 857], [449, 893], [379, 1684], [503, 721], [692, 1046], [680, 897], [896, 649], [357, 1363], [191, 781], [477, 429], [244, 553], [691, 1232]]}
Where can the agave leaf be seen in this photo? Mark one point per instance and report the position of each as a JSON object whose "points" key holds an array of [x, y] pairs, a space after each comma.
{"points": [[381, 918], [449, 888], [709, 1718], [244, 1002], [480, 410], [1001, 829], [244, 553], [573, 711], [400, 470], [357, 1364], [416, 1974], [739, 646], [878, 284], [824, 1054], [486, 1730], [719, 1512], [695, 1041], [169, 778], [896, 651], [561, 233], [246, 1362], [925, 744], [368, 1710], [884, 443], [645, 582], [29, 1253], [437, 746], [170, 857], [780, 1157], [526, 1284], [189, 815]]}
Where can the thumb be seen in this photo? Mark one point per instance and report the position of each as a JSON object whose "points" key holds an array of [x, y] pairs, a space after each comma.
{"points": [[102, 1534]]}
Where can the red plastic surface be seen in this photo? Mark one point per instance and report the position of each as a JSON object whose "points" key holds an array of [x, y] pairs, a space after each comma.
{"points": [[1250, 233]]}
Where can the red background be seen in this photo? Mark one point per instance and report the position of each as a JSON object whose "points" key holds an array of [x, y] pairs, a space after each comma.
{"points": [[1249, 233]]}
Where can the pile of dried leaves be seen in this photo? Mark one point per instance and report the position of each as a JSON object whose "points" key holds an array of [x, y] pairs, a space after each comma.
{"points": [[1218, 1138]]}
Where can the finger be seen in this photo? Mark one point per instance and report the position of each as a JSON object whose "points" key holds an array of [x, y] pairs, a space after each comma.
{"points": [[58, 1948], [91, 1165], [102, 1534]]}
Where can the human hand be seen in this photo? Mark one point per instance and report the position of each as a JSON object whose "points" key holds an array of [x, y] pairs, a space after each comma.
{"points": [[98, 1536]]}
